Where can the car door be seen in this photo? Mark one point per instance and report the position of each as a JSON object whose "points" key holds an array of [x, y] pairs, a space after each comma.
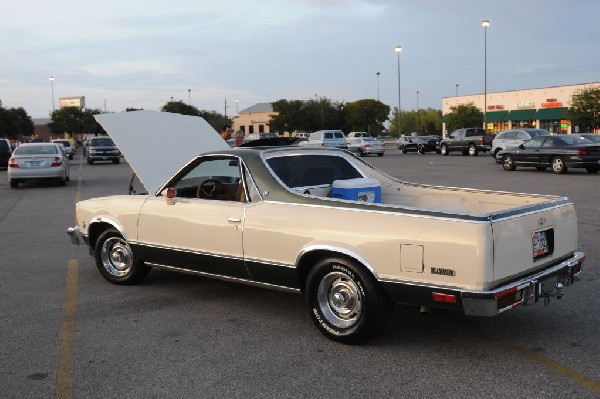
{"points": [[528, 153], [459, 139], [195, 230]]}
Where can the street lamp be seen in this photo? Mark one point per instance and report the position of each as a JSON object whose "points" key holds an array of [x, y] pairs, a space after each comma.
{"points": [[237, 110], [398, 49], [190, 97], [457, 90], [486, 24], [51, 79], [378, 73], [417, 112]]}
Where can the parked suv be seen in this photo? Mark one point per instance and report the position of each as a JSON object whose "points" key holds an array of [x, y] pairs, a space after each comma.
{"points": [[513, 138], [67, 145], [327, 138], [5, 153], [103, 149]]}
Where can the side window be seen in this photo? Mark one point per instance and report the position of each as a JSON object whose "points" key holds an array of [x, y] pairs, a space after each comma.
{"points": [[340, 135], [211, 178], [535, 142], [522, 136], [328, 135]]}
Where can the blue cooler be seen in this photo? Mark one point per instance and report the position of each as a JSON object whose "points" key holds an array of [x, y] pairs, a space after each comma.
{"points": [[361, 189]]}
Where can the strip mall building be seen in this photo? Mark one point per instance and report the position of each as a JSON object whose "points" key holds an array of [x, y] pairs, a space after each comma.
{"points": [[544, 108]]}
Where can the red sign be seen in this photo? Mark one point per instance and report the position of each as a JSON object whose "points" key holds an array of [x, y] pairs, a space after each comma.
{"points": [[490, 107], [552, 104]]}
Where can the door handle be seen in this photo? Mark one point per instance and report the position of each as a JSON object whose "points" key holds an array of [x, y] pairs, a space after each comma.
{"points": [[234, 220]]}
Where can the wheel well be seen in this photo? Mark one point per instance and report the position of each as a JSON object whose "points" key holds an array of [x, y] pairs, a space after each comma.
{"points": [[307, 262], [95, 230]]}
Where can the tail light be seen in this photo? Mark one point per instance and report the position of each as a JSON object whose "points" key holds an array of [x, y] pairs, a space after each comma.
{"points": [[367, 145], [582, 152], [481, 140], [12, 163], [57, 162]]}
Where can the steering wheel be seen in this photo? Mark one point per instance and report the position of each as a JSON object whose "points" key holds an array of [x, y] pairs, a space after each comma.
{"points": [[212, 189]]}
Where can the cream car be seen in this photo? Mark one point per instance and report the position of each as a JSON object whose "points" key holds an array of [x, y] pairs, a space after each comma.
{"points": [[326, 224]]}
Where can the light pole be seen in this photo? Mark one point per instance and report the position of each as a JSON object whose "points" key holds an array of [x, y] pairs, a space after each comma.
{"points": [[486, 24], [378, 73], [237, 109], [51, 79], [398, 49], [190, 97], [457, 90], [417, 112]]}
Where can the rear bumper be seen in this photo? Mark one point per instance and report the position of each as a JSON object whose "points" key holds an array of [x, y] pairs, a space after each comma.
{"points": [[543, 285]]}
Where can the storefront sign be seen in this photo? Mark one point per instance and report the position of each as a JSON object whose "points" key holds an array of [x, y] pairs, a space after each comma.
{"points": [[552, 104], [492, 107], [526, 104]]}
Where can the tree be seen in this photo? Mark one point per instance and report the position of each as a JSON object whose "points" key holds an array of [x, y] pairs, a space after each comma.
{"points": [[365, 115], [464, 115], [289, 116], [585, 109], [15, 122], [215, 119]]}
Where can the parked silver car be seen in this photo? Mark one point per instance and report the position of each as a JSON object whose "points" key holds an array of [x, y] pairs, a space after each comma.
{"points": [[38, 161], [327, 138], [67, 145], [513, 138], [366, 146]]}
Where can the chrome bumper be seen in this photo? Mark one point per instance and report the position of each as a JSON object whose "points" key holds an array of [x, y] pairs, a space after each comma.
{"points": [[75, 235], [544, 285]]}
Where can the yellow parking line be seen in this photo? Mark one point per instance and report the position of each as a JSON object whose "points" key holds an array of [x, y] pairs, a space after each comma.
{"points": [[63, 374], [580, 378]]}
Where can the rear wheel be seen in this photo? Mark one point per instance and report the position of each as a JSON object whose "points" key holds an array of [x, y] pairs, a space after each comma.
{"points": [[420, 149], [558, 165], [403, 150], [14, 183], [508, 163], [444, 149], [117, 160], [90, 161], [380, 154], [116, 261], [473, 150], [345, 302]]}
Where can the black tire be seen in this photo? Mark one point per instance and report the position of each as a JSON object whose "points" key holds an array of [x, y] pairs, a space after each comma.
{"points": [[592, 169], [496, 152], [116, 161], [473, 150], [558, 165], [403, 150], [345, 302], [444, 149], [14, 183], [380, 154], [361, 153], [420, 150], [62, 182], [508, 163], [116, 261], [90, 161]]}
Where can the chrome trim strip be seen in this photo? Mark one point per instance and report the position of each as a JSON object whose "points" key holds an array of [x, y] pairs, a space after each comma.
{"points": [[216, 255], [331, 248], [263, 262], [227, 278], [113, 223]]}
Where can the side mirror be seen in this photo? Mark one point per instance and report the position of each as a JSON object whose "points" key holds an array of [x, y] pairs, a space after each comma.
{"points": [[522, 146]]}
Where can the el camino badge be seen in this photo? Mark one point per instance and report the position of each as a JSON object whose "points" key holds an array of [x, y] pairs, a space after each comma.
{"points": [[443, 272]]}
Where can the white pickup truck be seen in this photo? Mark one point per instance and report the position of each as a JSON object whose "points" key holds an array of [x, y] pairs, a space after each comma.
{"points": [[324, 223]]}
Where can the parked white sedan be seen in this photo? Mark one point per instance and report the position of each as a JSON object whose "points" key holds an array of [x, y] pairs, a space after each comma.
{"points": [[38, 161]]}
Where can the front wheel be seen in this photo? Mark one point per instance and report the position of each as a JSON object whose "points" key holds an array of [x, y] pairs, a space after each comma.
{"points": [[444, 149], [420, 150], [403, 150], [116, 261], [345, 302], [558, 165], [508, 163]]}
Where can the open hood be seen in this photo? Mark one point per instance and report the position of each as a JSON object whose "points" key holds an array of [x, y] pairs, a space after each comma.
{"points": [[158, 144]]}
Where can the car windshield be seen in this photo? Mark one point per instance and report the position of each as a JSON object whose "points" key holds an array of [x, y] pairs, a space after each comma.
{"points": [[102, 142], [66, 143], [36, 150], [312, 170]]}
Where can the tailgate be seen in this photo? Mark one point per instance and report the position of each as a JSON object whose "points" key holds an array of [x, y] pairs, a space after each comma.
{"points": [[532, 240]]}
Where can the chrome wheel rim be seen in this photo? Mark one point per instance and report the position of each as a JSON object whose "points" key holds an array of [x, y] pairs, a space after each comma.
{"points": [[116, 256], [471, 150], [508, 163], [557, 164], [444, 150], [339, 300]]}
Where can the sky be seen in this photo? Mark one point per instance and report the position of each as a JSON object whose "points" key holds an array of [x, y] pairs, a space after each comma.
{"points": [[143, 53]]}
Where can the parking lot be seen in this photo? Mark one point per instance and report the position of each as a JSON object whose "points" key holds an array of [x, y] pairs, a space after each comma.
{"points": [[66, 331]]}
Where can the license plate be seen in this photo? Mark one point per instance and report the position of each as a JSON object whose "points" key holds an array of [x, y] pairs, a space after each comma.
{"points": [[34, 164], [540, 244], [104, 158]]}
